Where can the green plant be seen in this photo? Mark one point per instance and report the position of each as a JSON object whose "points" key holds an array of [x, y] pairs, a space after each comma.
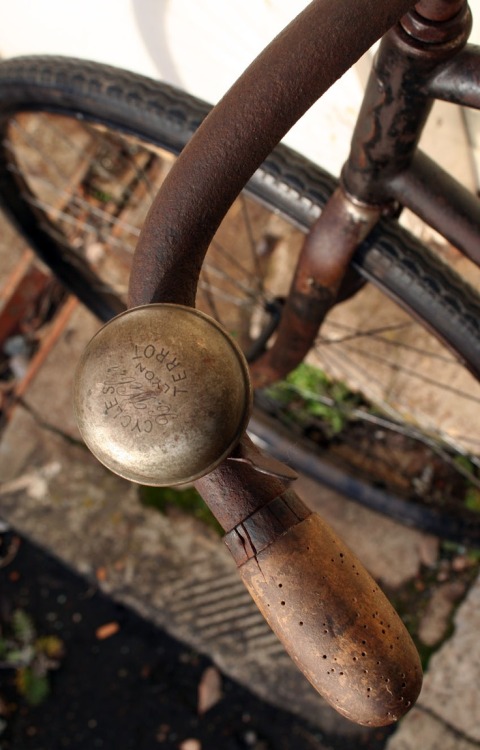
{"points": [[309, 391], [472, 493], [31, 656], [187, 500], [472, 499]]}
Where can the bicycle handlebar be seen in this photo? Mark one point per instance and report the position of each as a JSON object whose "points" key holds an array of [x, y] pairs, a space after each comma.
{"points": [[332, 618], [162, 397]]}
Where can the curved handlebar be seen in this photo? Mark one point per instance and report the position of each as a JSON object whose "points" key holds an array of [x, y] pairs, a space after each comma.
{"points": [[332, 618], [334, 621]]}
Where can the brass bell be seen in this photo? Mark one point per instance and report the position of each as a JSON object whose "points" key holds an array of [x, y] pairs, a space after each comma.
{"points": [[162, 394]]}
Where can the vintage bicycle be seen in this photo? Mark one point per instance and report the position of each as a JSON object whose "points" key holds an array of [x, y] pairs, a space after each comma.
{"points": [[84, 150]]}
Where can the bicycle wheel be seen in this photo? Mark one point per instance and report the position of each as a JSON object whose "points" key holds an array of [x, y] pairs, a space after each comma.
{"points": [[84, 148]]}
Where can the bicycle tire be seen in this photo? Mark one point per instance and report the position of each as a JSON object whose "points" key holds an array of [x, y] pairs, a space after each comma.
{"points": [[287, 185]]}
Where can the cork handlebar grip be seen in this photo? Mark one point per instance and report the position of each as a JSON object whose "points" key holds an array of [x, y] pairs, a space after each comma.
{"points": [[331, 616]]}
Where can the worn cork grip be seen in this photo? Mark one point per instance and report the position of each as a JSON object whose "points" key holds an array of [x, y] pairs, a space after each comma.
{"points": [[331, 616]]}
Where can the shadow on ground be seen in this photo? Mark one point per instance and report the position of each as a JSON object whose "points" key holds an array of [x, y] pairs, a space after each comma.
{"points": [[137, 688]]}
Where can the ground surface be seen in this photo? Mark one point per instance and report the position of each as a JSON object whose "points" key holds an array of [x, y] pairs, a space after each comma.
{"points": [[178, 602], [138, 688]]}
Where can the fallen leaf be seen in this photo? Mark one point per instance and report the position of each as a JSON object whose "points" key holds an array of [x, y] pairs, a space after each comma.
{"points": [[107, 630], [461, 563], [101, 574], [209, 690], [4, 708], [191, 744]]}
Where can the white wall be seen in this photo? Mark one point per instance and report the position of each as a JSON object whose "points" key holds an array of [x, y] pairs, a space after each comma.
{"points": [[202, 46]]}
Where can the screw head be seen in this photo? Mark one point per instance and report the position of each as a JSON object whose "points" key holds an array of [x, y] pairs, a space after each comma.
{"points": [[162, 394]]}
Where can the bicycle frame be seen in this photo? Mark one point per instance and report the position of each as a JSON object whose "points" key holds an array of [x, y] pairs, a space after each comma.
{"points": [[423, 57], [385, 171]]}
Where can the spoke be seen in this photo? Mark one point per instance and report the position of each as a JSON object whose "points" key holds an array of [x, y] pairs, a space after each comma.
{"points": [[221, 294], [433, 438], [75, 203], [122, 145], [240, 285], [205, 285], [31, 142], [395, 367], [246, 272], [375, 335], [252, 244], [111, 240], [344, 365], [107, 141], [461, 443]]}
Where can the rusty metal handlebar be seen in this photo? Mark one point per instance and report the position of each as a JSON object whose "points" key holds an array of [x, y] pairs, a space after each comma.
{"points": [[331, 616]]}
